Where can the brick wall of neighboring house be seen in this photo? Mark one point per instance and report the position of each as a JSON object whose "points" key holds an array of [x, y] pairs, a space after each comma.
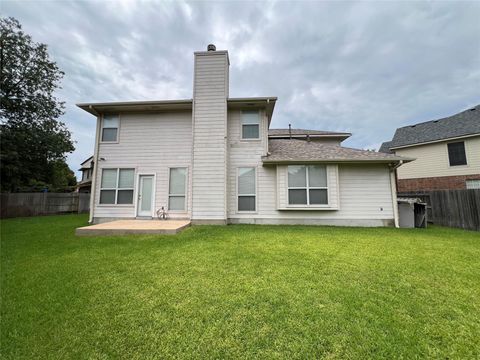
{"points": [[434, 183]]}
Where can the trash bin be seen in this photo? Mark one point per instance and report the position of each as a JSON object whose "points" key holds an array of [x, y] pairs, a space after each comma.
{"points": [[412, 213]]}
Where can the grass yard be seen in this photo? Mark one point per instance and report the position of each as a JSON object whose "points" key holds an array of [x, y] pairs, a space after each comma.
{"points": [[238, 292]]}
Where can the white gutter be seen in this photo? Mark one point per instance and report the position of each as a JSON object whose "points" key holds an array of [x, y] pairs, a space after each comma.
{"points": [[398, 165], [336, 161]]}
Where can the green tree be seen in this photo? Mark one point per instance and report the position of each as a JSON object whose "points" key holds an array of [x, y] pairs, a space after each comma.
{"points": [[32, 139]]}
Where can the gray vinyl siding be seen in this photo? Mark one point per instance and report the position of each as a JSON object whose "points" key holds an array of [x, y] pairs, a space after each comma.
{"points": [[243, 153], [150, 144], [210, 130], [364, 198]]}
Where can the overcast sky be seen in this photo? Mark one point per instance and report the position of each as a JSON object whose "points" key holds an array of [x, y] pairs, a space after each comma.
{"points": [[362, 67]]}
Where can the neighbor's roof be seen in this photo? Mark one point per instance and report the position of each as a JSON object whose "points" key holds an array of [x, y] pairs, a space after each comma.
{"points": [[174, 105], [302, 151], [87, 162], [462, 124], [385, 147], [285, 133]]}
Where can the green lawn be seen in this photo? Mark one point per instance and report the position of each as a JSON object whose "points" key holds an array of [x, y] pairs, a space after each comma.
{"points": [[238, 292]]}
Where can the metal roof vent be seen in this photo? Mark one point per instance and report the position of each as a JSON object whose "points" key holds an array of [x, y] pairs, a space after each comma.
{"points": [[211, 47]]}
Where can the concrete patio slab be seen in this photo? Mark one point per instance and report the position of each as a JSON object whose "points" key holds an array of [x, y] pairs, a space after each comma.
{"points": [[125, 227]]}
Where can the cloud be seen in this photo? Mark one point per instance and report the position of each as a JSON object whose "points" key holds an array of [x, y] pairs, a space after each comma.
{"points": [[362, 67]]}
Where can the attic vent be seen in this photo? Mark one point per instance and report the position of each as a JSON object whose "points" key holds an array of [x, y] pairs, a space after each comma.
{"points": [[435, 121], [473, 109], [211, 47], [412, 126]]}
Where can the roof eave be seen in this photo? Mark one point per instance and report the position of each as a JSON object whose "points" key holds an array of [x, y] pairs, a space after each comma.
{"points": [[334, 161], [172, 105], [434, 141], [87, 160], [126, 106], [267, 102], [303, 136]]}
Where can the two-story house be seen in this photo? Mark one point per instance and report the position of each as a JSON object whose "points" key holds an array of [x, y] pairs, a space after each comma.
{"points": [[86, 168], [447, 153], [213, 159]]}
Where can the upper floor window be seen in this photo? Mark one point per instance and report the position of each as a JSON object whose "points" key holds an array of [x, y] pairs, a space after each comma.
{"points": [[117, 186], [246, 189], [86, 174], [110, 126], [456, 153], [177, 189], [250, 124], [307, 185]]}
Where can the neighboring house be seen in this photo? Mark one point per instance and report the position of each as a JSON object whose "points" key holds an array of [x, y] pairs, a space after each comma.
{"points": [[447, 153], [86, 167], [213, 159]]}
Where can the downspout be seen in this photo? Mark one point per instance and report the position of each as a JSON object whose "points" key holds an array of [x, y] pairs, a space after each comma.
{"points": [[95, 166], [267, 126], [393, 187]]}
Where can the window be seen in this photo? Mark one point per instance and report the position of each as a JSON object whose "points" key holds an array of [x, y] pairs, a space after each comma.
{"points": [[456, 153], [307, 185], [250, 124], [117, 186], [177, 187], [473, 184], [86, 174], [246, 189], [110, 125]]}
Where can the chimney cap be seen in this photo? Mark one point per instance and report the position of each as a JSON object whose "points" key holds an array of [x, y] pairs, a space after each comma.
{"points": [[211, 47]]}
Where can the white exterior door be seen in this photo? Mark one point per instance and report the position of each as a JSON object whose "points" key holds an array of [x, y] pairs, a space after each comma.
{"points": [[145, 195]]}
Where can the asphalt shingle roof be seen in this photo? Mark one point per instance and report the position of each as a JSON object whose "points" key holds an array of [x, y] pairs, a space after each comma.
{"points": [[295, 150], [385, 147], [465, 123]]}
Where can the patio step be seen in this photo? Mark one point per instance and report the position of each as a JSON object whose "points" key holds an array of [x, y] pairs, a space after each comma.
{"points": [[127, 227]]}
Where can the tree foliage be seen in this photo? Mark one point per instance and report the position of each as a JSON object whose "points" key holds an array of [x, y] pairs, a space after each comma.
{"points": [[33, 140]]}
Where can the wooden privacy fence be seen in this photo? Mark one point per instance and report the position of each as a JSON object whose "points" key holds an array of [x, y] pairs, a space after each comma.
{"points": [[33, 204], [456, 208]]}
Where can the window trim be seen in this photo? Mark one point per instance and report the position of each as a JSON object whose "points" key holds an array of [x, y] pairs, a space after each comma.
{"points": [[237, 195], [464, 149], [307, 188], [118, 130], [258, 124], [116, 189], [185, 210]]}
